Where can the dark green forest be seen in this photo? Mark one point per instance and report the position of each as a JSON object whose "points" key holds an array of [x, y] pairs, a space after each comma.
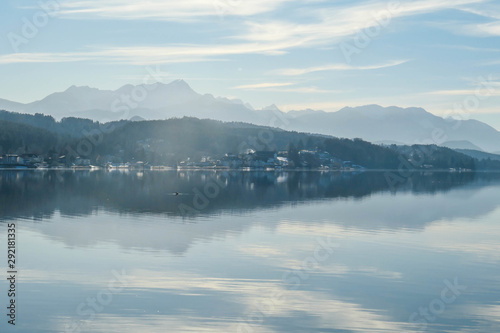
{"points": [[167, 142]]}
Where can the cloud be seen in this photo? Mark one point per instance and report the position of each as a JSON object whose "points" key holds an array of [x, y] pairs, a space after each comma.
{"points": [[276, 87], [145, 55], [467, 48], [492, 89], [269, 36], [309, 90], [330, 24], [489, 10], [335, 67], [263, 85], [334, 23], [329, 106], [346, 17], [459, 92], [167, 10], [484, 30], [16, 58], [135, 56]]}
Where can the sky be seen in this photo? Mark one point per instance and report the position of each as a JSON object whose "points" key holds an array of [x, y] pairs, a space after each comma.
{"points": [[442, 55]]}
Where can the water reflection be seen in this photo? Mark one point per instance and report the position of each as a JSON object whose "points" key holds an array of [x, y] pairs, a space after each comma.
{"points": [[32, 194], [221, 268]]}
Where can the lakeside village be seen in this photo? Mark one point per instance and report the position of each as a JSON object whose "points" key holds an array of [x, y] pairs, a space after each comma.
{"points": [[260, 160]]}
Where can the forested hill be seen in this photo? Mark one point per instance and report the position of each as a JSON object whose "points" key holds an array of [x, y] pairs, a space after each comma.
{"points": [[18, 138], [75, 127], [167, 142]]}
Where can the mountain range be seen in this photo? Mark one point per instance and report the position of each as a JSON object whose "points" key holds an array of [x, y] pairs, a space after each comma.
{"points": [[383, 125]]}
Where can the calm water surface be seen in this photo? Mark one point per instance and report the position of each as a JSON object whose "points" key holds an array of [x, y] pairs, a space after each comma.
{"points": [[252, 252]]}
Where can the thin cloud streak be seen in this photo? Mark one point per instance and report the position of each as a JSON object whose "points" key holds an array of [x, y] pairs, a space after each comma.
{"points": [[335, 67], [308, 90], [149, 54], [468, 92], [263, 85], [276, 87], [165, 10], [487, 10], [467, 48]]}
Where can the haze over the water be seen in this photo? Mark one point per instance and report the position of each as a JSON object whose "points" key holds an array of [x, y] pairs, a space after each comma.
{"points": [[314, 54]]}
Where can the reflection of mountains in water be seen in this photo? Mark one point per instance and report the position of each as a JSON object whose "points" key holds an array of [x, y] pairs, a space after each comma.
{"points": [[33, 194]]}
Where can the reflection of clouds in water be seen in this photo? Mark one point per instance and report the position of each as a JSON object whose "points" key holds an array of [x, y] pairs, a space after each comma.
{"points": [[155, 324], [404, 210], [374, 272], [485, 316], [478, 239], [262, 251], [488, 313], [455, 233], [323, 311], [41, 276]]}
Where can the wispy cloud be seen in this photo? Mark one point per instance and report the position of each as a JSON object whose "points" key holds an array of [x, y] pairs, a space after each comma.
{"points": [[308, 90], [489, 10], [141, 55], [278, 87], [334, 23], [108, 56], [467, 48], [168, 10], [17, 58], [483, 30], [459, 92], [268, 35], [335, 67], [328, 106], [492, 90], [263, 85]]}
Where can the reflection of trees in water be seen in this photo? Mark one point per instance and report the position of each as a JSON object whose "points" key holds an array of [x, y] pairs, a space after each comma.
{"points": [[34, 194]]}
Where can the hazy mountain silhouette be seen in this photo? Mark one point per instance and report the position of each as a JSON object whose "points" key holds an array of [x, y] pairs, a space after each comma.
{"points": [[161, 101]]}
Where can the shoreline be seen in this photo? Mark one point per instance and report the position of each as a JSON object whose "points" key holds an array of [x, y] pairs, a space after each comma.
{"points": [[243, 170]]}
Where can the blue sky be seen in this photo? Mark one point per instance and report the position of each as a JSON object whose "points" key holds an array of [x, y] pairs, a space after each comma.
{"points": [[297, 54]]}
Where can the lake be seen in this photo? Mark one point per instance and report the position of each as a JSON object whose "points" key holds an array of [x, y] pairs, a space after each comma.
{"points": [[232, 251]]}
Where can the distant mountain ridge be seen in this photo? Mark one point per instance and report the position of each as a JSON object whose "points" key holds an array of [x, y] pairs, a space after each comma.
{"points": [[177, 99]]}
